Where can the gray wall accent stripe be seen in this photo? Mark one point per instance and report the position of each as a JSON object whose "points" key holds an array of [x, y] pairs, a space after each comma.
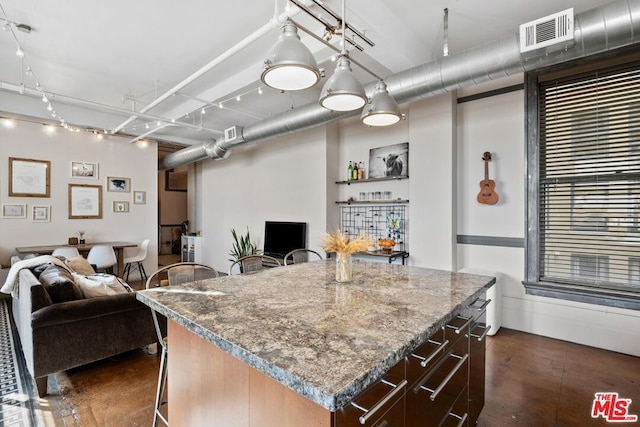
{"points": [[491, 93], [507, 242]]}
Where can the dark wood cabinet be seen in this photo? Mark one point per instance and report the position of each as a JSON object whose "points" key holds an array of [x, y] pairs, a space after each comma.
{"points": [[381, 404], [441, 383]]}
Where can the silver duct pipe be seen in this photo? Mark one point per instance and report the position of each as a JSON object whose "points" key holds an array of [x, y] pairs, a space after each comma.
{"points": [[598, 30]]}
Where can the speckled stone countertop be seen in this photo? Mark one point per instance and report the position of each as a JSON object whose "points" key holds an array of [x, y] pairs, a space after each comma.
{"points": [[327, 341]]}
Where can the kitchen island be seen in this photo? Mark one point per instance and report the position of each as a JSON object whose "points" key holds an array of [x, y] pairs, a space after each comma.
{"points": [[290, 346]]}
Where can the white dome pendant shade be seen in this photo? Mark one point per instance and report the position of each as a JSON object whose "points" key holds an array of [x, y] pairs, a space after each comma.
{"points": [[382, 110], [289, 64], [343, 92]]}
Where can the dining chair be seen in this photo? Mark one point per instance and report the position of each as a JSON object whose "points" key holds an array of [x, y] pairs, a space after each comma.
{"points": [[103, 257], [135, 261], [298, 256], [177, 274], [66, 251], [253, 263]]}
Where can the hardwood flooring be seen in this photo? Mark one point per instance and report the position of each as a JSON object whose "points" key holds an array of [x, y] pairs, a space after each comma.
{"points": [[531, 381], [537, 381]]}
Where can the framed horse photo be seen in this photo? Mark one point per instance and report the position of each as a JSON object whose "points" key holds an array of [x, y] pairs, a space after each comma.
{"points": [[389, 161]]}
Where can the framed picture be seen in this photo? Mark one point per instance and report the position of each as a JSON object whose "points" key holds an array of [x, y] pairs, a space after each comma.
{"points": [[84, 170], [29, 177], [139, 197], [122, 185], [85, 201], [389, 161], [40, 213], [121, 206], [175, 181], [14, 211]]}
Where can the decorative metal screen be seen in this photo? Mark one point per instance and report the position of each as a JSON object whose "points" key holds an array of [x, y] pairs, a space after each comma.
{"points": [[377, 222]]}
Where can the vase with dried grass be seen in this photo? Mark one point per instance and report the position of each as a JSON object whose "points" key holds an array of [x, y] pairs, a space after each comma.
{"points": [[339, 242]]}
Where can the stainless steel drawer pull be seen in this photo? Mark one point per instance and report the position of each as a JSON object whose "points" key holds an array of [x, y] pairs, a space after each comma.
{"points": [[443, 384], [485, 303], [462, 418], [484, 333], [424, 361], [369, 412], [458, 330]]}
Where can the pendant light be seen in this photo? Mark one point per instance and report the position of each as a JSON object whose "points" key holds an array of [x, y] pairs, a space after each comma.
{"points": [[382, 110], [290, 65], [343, 92]]}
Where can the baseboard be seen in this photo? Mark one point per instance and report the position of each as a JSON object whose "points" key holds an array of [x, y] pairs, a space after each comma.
{"points": [[596, 326]]}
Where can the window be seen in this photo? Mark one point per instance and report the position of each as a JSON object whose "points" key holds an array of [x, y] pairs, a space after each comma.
{"points": [[583, 161]]}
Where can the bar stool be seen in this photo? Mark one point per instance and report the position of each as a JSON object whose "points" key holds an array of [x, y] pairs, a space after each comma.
{"points": [[177, 274]]}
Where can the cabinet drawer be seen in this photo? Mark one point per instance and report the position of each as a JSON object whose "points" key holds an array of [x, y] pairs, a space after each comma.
{"points": [[379, 402], [425, 357], [430, 398], [458, 415]]}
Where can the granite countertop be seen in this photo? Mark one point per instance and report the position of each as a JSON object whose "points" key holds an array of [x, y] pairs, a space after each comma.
{"points": [[327, 341]]}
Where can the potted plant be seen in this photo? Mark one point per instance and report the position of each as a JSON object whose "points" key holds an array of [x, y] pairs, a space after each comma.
{"points": [[242, 246]]}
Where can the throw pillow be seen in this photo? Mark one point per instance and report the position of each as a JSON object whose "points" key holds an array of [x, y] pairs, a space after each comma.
{"points": [[59, 284], [98, 285], [80, 265]]}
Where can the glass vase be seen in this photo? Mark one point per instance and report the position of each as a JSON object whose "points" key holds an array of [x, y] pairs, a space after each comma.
{"points": [[344, 268]]}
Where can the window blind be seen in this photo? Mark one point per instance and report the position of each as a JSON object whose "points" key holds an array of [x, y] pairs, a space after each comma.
{"points": [[589, 183]]}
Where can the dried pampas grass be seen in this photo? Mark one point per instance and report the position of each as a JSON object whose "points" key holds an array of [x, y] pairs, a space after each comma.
{"points": [[338, 241]]}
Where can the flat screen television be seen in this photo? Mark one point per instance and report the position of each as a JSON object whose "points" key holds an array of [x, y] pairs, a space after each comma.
{"points": [[282, 237]]}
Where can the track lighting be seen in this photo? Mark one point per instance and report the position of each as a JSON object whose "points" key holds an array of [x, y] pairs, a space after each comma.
{"points": [[290, 65], [382, 109], [19, 52]]}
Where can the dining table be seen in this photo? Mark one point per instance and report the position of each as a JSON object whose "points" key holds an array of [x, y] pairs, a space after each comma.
{"points": [[118, 248]]}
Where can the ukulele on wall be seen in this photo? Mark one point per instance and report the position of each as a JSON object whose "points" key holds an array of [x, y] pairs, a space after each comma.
{"points": [[487, 195]]}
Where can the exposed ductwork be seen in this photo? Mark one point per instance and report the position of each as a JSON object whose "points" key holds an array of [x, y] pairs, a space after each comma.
{"points": [[598, 30]]}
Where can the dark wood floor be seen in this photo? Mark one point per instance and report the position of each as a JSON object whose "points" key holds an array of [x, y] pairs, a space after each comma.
{"points": [[531, 381], [537, 381]]}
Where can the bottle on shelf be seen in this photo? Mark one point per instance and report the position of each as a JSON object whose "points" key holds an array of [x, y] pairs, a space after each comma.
{"points": [[361, 171], [355, 170], [350, 172]]}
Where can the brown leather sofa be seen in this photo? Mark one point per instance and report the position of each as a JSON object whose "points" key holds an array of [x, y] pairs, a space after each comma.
{"points": [[63, 335]]}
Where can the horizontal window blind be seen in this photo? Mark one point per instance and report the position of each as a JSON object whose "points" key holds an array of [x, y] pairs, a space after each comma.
{"points": [[589, 185]]}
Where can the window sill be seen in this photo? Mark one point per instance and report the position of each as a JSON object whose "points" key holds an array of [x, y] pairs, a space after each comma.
{"points": [[607, 297]]}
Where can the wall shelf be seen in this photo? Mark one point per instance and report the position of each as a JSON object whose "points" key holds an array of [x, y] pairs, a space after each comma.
{"points": [[385, 178], [372, 202]]}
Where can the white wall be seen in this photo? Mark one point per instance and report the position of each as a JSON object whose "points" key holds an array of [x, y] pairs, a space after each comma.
{"points": [[293, 178], [279, 180], [496, 124], [115, 157]]}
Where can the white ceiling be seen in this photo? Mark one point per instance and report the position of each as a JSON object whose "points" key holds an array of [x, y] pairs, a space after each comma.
{"points": [[119, 55]]}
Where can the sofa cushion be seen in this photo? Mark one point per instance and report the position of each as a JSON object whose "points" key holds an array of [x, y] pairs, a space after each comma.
{"points": [[80, 265], [38, 269], [59, 284], [99, 284]]}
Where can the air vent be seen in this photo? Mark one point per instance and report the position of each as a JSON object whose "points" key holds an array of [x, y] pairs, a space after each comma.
{"points": [[232, 134], [548, 31]]}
